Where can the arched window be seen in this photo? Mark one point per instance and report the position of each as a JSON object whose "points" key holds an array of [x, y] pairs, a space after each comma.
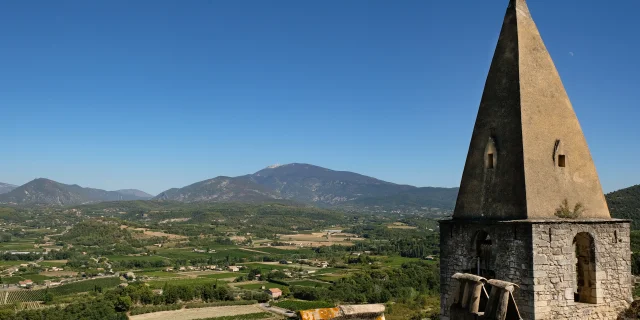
{"points": [[585, 270], [483, 248]]}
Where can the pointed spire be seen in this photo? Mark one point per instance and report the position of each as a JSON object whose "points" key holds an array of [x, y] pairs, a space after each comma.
{"points": [[527, 151]]}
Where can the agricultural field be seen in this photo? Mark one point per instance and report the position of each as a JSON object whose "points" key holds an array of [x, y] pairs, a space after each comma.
{"points": [[250, 316], [330, 277], [187, 253], [309, 283], [159, 274], [53, 263], [316, 239], [159, 284], [269, 265], [19, 245], [400, 225], [201, 313], [21, 295], [258, 286], [290, 251], [139, 258], [144, 232], [224, 275], [4, 263], [30, 305], [11, 280], [84, 286], [398, 261], [329, 270], [55, 274], [8, 297], [38, 278]]}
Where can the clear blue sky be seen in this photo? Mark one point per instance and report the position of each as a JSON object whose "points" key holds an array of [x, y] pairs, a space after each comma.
{"points": [[158, 94]]}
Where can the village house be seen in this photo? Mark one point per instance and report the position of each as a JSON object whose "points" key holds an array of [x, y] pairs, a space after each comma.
{"points": [[50, 283], [274, 293], [233, 268], [25, 284]]}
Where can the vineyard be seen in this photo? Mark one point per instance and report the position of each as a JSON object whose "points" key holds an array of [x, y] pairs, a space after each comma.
{"points": [[84, 286], [32, 305], [8, 297]]}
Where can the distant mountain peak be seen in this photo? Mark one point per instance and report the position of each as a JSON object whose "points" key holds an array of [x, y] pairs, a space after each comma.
{"points": [[310, 184], [43, 191]]}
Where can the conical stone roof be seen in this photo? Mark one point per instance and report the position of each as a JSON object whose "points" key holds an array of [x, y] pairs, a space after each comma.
{"points": [[527, 152]]}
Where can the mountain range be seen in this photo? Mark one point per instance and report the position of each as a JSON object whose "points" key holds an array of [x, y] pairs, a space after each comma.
{"points": [[5, 187], [313, 185], [296, 182], [48, 192]]}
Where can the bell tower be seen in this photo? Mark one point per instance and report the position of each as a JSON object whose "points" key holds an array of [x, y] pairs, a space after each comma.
{"points": [[531, 209]]}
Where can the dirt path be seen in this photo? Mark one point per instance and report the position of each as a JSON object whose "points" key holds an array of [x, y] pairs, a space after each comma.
{"points": [[256, 251], [200, 313]]}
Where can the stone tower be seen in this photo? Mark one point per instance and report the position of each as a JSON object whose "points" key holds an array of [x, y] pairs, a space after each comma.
{"points": [[528, 170]]}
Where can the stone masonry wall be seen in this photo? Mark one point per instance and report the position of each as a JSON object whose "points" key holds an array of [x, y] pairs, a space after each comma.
{"points": [[512, 258], [555, 270]]}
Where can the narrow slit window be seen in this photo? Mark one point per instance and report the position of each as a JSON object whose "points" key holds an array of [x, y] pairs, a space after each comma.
{"points": [[490, 161], [562, 161]]}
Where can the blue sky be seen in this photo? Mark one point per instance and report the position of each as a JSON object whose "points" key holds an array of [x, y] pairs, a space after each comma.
{"points": [[160, 94]]}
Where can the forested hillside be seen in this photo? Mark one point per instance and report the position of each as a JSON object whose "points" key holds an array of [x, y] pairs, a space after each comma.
{"points": [[625, 204]]}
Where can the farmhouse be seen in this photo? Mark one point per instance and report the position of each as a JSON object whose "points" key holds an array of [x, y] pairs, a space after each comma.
{"points": [[233, 268], [25, 284], [274, 293]]}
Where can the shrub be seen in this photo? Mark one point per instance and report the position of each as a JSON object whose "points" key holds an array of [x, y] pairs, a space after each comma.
{"points": [[565, 212]]}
